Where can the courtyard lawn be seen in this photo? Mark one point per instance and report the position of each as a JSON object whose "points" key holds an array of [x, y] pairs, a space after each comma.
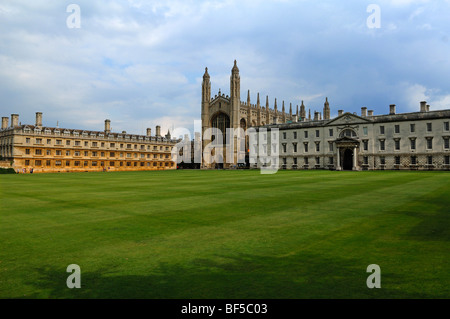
{"points": [[225, 234]]}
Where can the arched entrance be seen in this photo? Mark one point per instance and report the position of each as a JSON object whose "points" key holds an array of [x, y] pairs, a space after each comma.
{"points": [[220, 121], [347, 152], [347, 160]]}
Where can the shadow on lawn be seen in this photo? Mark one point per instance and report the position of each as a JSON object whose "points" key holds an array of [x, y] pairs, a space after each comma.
{"points": [[240, 277], [434, 214]]}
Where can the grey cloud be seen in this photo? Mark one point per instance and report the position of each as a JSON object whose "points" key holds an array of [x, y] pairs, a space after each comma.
{"points": [[140, 62]]}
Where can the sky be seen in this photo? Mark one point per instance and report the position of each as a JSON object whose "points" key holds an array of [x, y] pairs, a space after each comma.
{"points": [[141, 63]]}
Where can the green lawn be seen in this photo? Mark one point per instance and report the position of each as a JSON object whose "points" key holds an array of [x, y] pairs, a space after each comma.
{"points": [[225, 234]]}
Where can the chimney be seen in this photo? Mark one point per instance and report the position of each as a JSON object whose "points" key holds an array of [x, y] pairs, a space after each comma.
{"points": [[107, 126], [423, 106], [370, 113], [364, 111], [158, 131], [38, 118], [149, 132], [316, 116], [14, 120], [5, 121], [428, 108], [340, 112], [392, 109]]}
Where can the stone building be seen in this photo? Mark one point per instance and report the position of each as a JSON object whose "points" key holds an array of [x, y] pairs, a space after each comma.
{"points": [[53, 149], [417, 140], [223, 111], [413, 141]]}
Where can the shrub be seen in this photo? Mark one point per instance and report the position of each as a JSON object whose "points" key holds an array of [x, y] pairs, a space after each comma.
{"points": [[7, 171]]}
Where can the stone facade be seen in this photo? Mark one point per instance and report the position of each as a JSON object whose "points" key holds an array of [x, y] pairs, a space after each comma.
{"points": [[50, 149], [412, 141], [418, 140], [223, 111]]}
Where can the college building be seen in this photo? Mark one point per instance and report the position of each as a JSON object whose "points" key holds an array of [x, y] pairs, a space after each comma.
{"points": [[413, 141], [54, 149], [223, 111]]}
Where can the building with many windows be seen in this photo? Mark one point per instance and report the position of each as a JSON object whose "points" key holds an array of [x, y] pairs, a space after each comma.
{"points": [[53, 149], [417, 140], [223, 111], [412, 141]]}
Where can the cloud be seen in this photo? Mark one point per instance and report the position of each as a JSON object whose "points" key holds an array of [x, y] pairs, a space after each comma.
{"points": [[140, 63], [414, 93], [407, 2], [417, 13]]}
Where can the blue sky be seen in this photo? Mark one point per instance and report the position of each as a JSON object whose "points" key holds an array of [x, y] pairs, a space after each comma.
{"points": [[140, 63]]}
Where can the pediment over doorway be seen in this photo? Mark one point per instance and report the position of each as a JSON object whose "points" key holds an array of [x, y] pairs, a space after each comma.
{"points": [[346, 141]]}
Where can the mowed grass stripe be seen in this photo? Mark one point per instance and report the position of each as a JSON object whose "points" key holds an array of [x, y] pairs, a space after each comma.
{"points": [[215, 220], [278, 222], [94, 207]]}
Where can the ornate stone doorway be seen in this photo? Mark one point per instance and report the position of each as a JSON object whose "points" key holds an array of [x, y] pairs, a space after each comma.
{"points": [[347, 152]]}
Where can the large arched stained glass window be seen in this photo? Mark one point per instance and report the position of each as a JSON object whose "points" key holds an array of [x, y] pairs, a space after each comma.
{"points": [[222, 122]]}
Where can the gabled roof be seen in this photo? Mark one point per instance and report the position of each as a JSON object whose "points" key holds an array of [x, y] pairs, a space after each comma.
{"points": [[348, 118], [220, 97]]}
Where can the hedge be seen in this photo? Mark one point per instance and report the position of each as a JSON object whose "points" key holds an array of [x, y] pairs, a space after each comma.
{"points": [[7, 171]]}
